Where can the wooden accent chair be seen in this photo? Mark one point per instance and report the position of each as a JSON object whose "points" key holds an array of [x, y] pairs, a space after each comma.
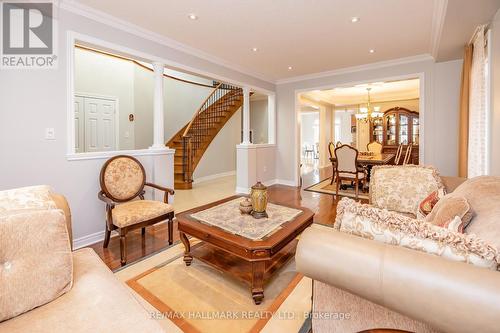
{"points": [[375, 147], [122, 182], [331, 151], [348, 168], [399, 152], [409, 149]]}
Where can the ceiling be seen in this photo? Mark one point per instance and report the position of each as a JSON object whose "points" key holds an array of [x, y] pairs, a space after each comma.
{"points": [[380, 92], [310, 36]]}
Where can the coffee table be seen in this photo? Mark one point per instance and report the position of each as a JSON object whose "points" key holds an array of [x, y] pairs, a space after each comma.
{"points": [[250, 261]]}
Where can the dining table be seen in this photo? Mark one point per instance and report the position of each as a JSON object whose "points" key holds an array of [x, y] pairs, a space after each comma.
{"points": [[369, 160]]}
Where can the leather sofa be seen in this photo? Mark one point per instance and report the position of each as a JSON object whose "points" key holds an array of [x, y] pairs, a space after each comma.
{"points": [[97, 301], [362, 284]]}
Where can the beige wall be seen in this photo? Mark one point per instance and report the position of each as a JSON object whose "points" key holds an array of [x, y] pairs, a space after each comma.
{"points": [[259, 121], [220, 156]]}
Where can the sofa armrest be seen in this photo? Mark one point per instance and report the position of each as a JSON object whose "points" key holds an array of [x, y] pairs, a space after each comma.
{"points": [[448, 295], [62, 204]]}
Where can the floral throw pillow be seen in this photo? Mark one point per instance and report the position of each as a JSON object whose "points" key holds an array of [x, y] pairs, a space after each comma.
{"points": [[401, 188], [426, 205], [392, 228]]}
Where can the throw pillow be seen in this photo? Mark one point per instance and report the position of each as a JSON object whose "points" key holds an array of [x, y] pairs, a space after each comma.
{"points": [[36, 264], [447, 209], [401, 188], [425, 207], [393, 228]]}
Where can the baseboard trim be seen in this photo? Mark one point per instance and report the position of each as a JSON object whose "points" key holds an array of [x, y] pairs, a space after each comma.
{"points": [[271, 182], [214, 176], [84, 241]]}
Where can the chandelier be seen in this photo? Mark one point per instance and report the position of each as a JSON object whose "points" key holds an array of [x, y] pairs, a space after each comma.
{"points": [[368, 113]]}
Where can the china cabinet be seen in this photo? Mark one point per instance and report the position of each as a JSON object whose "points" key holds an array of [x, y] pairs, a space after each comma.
{"points": [[397, 126]]}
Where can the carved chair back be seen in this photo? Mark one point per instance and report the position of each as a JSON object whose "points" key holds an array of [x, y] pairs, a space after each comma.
{"points": [[375, 147], [347, 159], [122, 178]]}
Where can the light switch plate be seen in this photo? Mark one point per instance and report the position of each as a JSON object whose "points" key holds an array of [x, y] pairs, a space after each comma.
{"points": [[50, 134]]}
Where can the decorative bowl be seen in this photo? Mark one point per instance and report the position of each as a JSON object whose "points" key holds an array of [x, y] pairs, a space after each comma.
{"points": [[246, 206]]}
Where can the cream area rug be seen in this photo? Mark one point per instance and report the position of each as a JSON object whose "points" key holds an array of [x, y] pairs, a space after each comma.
{"points": [[199, 298], [325, 187]]}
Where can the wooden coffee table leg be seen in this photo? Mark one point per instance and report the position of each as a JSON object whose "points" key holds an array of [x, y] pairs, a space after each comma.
{"points": [[188, 258], [258, 270]]}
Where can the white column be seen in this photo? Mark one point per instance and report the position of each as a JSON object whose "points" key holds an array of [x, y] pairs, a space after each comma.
{"points": [[271, 116], [158, 130], [246, 116]]}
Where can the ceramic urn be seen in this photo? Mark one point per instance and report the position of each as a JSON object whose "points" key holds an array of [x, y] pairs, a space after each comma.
{"points": [[259, 200]]}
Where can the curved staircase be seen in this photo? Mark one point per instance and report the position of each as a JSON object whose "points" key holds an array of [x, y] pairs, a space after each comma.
{"points": [[191, 142]]}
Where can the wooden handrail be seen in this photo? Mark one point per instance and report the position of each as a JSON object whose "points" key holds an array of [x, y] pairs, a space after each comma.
{"points": [[138, 64], [200, 109]]}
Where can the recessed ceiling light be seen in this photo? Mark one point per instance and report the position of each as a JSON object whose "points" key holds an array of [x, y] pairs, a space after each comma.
{"points": [[193, 16], [290, 68], [372, 51], [354, 19], [255, 49]]}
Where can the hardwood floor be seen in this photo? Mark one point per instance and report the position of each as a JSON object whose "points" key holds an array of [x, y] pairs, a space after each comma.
{"points": [[323, 205]]}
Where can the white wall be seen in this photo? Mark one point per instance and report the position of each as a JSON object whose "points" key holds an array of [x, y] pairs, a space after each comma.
{"points": [[32, 100], [309, 120], [101, 75], [259, 121], [439, 78], [143, 103]]}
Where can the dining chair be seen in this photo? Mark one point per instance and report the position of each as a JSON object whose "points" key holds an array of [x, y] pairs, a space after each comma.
{"points": [[338, 144], [375, 147], [122, 181], [308, 151], [348, 169], [409, 149], [316, 150], [399, 151], [331, 151]]}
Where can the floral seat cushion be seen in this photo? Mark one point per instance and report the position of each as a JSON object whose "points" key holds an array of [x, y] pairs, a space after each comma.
{"points": [[134, 212]]}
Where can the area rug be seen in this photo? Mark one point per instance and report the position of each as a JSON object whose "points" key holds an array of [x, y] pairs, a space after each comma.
{"points": [[199, 298], [325, 187]]}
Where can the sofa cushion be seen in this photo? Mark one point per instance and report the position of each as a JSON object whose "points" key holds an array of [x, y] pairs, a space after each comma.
{"points": [[393, 228], [98, 302], [449, 207], [483, 195], [402, 188], [25, 199], [35, 260]]}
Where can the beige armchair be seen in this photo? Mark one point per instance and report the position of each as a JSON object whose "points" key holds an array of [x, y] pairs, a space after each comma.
{"points": [[122, 182]]}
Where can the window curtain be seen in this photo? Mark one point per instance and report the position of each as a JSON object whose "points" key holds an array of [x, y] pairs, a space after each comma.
{"points": [[463, 144], [476, 165]]}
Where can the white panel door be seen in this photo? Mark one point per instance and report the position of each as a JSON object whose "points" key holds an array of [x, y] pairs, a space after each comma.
{"points": [[79, 124], [99, 124]]}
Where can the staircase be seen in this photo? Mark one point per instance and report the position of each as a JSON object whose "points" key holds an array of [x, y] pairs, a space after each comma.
{"points": [[191, 142]]}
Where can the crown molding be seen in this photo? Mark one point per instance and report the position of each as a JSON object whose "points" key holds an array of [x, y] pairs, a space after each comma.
{"points": [[438, 17], [101, 17], [352, 69]]}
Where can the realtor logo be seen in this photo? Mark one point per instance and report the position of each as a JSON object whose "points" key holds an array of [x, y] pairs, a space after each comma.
{"points": [[28, 35]]}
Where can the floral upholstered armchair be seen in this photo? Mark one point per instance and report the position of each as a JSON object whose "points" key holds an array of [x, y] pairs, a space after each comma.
{"points": [[122, 180]]}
